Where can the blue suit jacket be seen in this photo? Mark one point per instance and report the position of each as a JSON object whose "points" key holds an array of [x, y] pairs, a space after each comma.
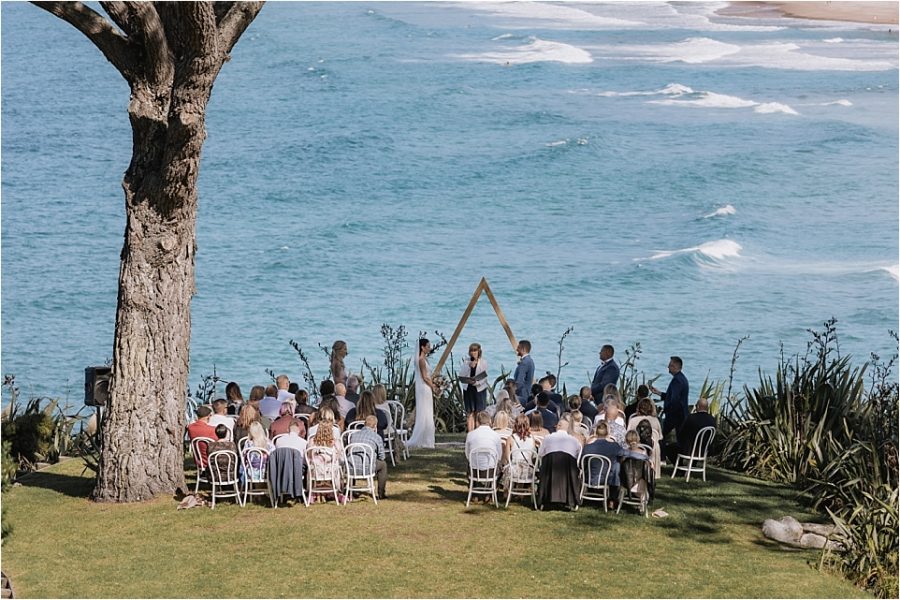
{"points": [[524, 376], [675, 403], [608, 373]]}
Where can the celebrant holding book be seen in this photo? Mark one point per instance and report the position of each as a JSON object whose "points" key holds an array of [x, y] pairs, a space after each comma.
{"points": [[473, 377]]}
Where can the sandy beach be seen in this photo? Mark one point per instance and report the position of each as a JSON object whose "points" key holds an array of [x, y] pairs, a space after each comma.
{"points": [[880, 13]]}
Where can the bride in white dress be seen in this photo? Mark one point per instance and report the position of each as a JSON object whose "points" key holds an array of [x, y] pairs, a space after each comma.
{"points": [[423, 431]]}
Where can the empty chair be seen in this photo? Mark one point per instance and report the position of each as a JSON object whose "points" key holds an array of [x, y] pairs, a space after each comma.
{"points": [[255, 462], [483, 473], [360, 467], [698, 455], [223, 476], [521, 470], [398, 412], [198, 453], [323, 472], [285, 471], [595, 470]]}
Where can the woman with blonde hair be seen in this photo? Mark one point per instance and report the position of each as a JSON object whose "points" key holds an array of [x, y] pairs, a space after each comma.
{"points": [[501, 424], [258, 438], [246, 418], [324, 465], [646, 412], [338, 353]]}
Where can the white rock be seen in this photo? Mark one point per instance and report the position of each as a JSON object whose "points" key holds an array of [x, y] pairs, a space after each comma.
{"points": [[812, 540]]}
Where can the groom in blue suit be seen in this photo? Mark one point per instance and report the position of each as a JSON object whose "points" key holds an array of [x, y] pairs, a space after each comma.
{"points": [[524, 374], [606, 373]]}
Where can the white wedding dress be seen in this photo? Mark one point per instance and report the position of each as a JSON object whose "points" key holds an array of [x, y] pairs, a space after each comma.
{"points": [[423, 431]]}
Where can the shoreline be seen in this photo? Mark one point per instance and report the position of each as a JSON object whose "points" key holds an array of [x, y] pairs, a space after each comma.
{"points": [[874, 13]]}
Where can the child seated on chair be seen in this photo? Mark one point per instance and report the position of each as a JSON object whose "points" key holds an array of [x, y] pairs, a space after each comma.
{"points": [[221, 443], [633, 440]]}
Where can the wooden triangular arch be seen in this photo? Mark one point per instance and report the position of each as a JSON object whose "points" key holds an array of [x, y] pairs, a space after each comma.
{"points": [[482, 287]]}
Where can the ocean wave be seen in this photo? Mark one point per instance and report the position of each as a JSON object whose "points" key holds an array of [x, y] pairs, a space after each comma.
{"points": [[772, 55], [721, 212], [550, 16], [841, 102], [893, 271], [685, 96], [836, 40], [774, 107], [716, 251], [537, 50], [673, 89]]}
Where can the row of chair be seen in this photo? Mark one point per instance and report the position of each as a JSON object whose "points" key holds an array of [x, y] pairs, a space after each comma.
{"points": [[220, 471]]}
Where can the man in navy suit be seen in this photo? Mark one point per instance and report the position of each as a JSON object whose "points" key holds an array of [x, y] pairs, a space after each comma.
{"points": [[606, 373], [524, 374], [675, 398]]}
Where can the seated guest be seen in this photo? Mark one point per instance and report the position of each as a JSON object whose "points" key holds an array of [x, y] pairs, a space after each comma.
{"points": [[548, 384], [222, 443], [574, 405], [282, 394], [691, 426], [645, 421], [301, 397], [600, 443], [559, 479], [242, 425], [518, 464], [612, 390], [234, 397], [257, 393], [643, 391], [293, 388], [501, 424], [536, 424], [326, 434], [587, 408], [327, 413], [633, 441], [258, 438], [283, 423], [550, 417], [331, 403], [293, 439], [340, 394], [577, 417], [510, 386], [484, 437], [613, 421], [202, 428], [369, 435], [611, 402], [381, 405], [269, 405], [365, 408], [353, 388], [220, 415], [554, 400], [531, 404]]}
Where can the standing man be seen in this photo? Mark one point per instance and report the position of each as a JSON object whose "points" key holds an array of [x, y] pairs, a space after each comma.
{"points": [[524, 374], [675, 398], [606, 373]]}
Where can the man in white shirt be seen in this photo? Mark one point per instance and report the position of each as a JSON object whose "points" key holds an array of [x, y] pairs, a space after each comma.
{"points": [[269, 406], [560, 440], [220, 416], [340, 393], [484, 437], [283, 383], [292, 439]]}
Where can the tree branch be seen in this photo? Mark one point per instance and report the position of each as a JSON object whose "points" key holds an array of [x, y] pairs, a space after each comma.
{"points": [[221, 9], [157, 54], [120, 14], [235, 22], [112, 44]]}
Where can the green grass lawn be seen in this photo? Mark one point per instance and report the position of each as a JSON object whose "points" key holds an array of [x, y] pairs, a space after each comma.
{"points": [[421, 542]]}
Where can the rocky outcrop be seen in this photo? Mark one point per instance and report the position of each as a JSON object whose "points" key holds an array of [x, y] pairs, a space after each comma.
{"points": [[790, 531]]}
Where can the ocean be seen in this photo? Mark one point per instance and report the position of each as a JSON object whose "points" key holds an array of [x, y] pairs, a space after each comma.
{"points": [[641, 172]]}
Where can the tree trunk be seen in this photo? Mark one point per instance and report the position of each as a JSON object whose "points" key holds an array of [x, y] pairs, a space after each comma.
{"points": [[170, 53]]}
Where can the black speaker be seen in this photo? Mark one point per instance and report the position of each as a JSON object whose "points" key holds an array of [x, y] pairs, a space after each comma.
{"points": [[96, 385]]}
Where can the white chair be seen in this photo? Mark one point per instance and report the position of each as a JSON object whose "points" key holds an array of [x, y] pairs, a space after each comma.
{"points": [[277, 437], [398, 412], [483, 473], [345, 437], [322, 465], [360, 466], [582, 429], [522, 481], [242, 442], [598, 489], [698, 455], [223, 474], [356, 425], [198, 447], [255, 462], [390, 440]]}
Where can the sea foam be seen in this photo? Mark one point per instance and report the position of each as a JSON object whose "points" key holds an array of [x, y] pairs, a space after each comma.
{"points": [[717, 250], [721, 212], [537, 50]]}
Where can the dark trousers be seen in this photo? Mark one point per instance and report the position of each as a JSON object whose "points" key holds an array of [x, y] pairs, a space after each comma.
{"points": [[381, 475]]}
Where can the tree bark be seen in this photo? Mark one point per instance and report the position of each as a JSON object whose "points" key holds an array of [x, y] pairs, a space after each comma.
{"points": [[170, 54]]}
